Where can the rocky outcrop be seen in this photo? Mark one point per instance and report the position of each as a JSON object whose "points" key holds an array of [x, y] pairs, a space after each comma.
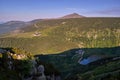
{"points": [[26, 68]]}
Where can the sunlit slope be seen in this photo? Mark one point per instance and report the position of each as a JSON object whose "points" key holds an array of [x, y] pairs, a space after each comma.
{"points": [[56, 35]]}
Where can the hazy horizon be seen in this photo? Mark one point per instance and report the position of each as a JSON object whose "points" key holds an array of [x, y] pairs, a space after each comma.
{"points": [[26, 10]]}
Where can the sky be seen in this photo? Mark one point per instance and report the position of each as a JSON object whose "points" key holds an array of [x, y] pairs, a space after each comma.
{"points": [[26, 10]]}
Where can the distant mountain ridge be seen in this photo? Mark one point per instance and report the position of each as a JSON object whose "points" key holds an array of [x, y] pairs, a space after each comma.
{"points": [[13, 22], [73, 15], [12, 26]]}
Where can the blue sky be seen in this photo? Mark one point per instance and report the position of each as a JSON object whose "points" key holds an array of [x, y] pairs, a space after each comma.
{"points": [[34, 9]]}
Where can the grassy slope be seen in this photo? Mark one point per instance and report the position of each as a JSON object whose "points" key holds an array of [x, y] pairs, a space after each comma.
{"points": [[109, 71], [63, 34]]}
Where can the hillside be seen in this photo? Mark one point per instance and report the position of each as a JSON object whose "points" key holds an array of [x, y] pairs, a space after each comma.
{"points": [[15, 26], [94, 64], [11, 26], [56, 35], [17, 64]]}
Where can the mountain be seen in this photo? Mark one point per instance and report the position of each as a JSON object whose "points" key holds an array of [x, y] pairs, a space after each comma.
{"points": [[80, 48], [73, 15], [11, 26], [56, 35], [35, 21], [15, 26]]}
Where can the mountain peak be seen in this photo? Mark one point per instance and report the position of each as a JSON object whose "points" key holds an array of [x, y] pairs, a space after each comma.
{"points": [[73, 15]]}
